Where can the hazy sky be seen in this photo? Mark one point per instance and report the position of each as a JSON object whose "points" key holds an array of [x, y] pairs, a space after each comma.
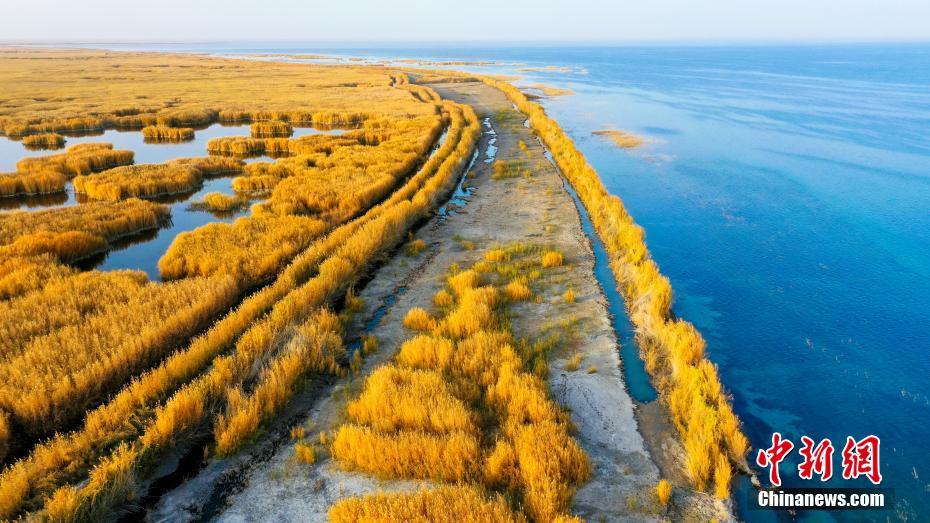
{"points": [[482, 20]]}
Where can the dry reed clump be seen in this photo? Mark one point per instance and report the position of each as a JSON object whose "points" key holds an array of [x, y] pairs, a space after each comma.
{"points": [[313, 278], [517, 290], [415, 247], [44, 141], [453, 456], [664, 491], [252, 249], [78, 160], [71, 233], [65, 299], [161, 133], [31, 183], [446, 504], [443, 299], [219, 202], [271, 129], [671, 348], [315, 347], [464, 411], [419, 320], [305, 453], [552, 259], [400, 399], [139, 181], [210, 166], [504, 169], [72, 359], [574, 363], [21, 274]]}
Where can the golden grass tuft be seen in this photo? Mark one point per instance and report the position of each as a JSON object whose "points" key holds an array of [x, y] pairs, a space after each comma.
{"points": [[517, 290], [504, 169], [415, 247], [664, 492], [443, 298], [445, 504], [44, 141], [496, 255], [397, 399], [252, 248], [210, 166], [568, 296], [31, 183], [418, 319], [139, 181], [369, 344], [574, 363], [80, 159], [219, 202], [305, 453], [552, 259], [452, 456], [272, 128], [161, 133]]}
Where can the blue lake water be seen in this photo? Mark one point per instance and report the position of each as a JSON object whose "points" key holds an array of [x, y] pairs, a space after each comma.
{"points": [[785, 191], [143, 251]]}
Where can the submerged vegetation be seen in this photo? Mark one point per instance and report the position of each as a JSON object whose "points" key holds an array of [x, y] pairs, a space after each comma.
{"points": [[621, 138], [672, 348], [458, 405]]}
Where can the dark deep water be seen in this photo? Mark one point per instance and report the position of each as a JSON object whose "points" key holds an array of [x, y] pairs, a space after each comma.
{"points": [[785, 191]]}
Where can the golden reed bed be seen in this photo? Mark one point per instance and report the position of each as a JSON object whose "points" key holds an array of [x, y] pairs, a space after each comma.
{"points": [[314, 241]]}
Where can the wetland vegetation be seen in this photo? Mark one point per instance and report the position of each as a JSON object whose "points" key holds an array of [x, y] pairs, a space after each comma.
{"points": [[105, 375]]}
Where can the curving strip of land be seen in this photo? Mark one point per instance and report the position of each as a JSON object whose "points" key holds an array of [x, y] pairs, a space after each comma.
{"points": [[266, 482]]}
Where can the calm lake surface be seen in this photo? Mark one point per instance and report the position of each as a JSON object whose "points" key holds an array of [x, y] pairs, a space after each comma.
{"points": [[785, 191], [143, 251]]}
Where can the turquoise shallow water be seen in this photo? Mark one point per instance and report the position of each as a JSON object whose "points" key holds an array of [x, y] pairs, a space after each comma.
{"points": [[786, 193]]}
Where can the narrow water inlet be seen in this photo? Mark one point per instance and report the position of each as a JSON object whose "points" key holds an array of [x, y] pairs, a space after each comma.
{"points": [[634, 370]]}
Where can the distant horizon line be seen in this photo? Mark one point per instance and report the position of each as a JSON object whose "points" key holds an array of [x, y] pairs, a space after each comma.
{"points": [[475, 43]]}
